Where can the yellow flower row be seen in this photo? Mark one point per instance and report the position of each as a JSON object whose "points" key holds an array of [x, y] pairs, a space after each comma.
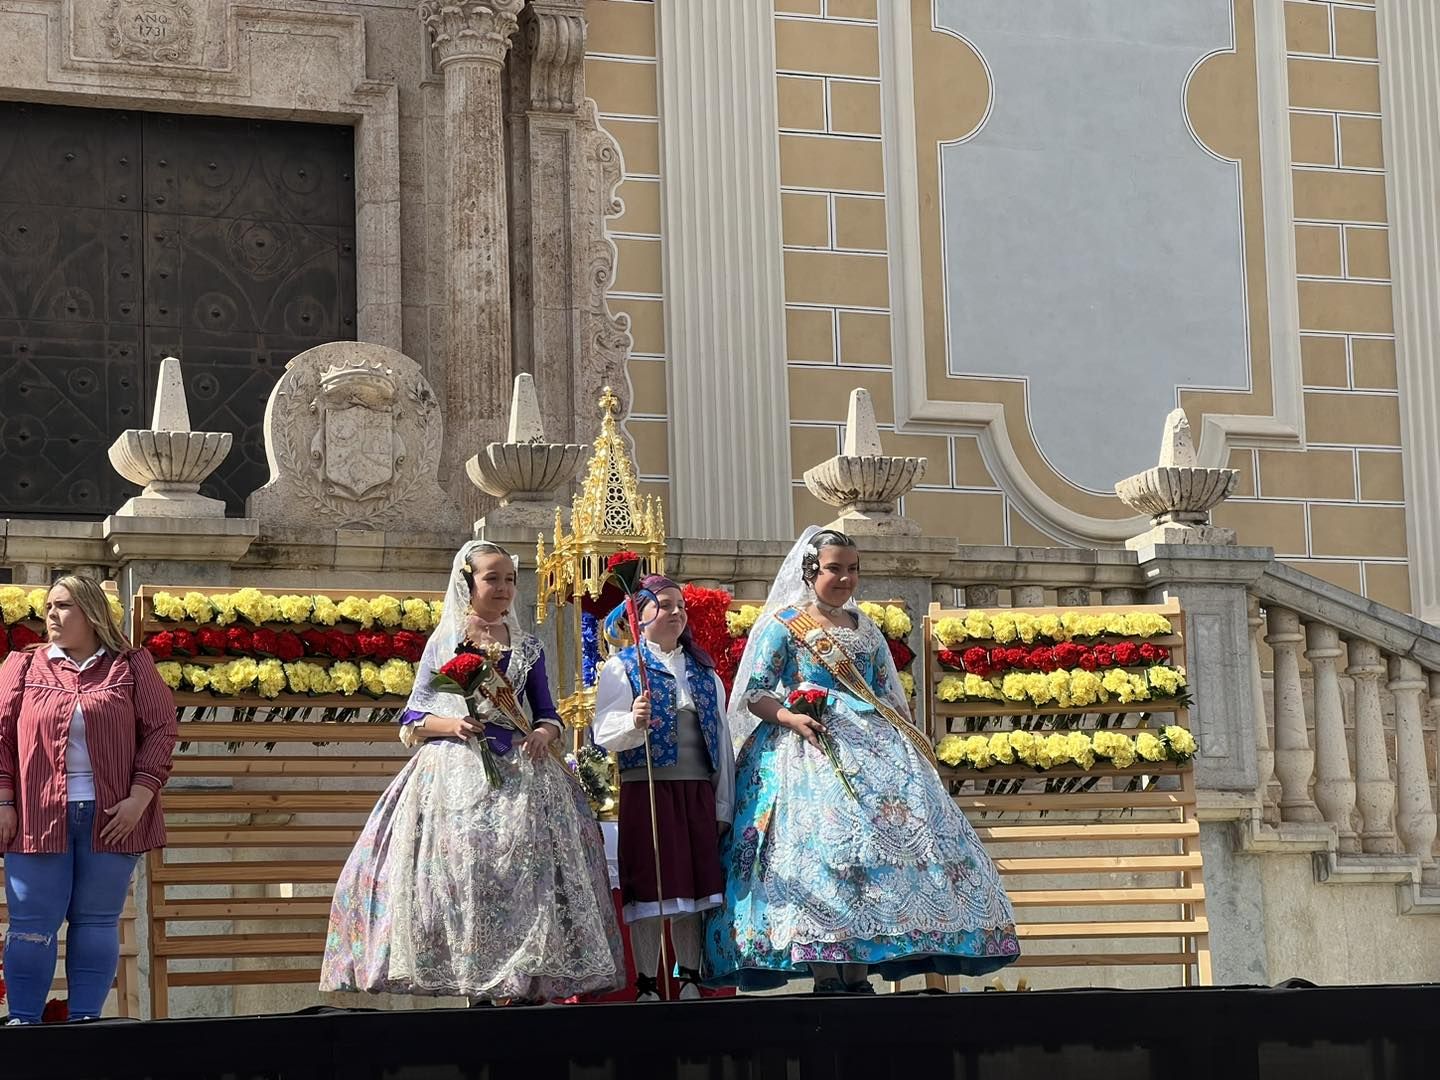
{"points": [[1005, 626], [257, 607], [890, 618], [18, 604], [270, 678], [1076, 687], [1042, 750]]}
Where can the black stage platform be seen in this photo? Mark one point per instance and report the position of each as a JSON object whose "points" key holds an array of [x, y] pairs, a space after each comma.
{"points": [[1237, 1033]]}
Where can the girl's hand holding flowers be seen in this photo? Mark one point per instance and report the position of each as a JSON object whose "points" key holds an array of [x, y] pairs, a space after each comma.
{"points": [[537, 743]]}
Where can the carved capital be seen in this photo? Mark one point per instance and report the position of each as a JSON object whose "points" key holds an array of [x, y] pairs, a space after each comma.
{"points": [[552, 35], [470, 29]]}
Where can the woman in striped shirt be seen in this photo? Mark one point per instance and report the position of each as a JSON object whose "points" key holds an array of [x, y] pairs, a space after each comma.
{"points": [[87, 729]]}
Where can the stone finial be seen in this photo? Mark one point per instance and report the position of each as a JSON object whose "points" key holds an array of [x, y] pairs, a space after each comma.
{"points": [[524, 471], [862, 482], [1178, 494], [169, 460], [352, 436]]}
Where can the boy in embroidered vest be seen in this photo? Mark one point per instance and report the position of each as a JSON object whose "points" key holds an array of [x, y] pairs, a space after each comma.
{"points": [[694, 769]]}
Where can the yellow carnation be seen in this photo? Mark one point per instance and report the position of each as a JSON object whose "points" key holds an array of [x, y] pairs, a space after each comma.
{"points": [[324, 612], [951, 750], [1059, 685], [978, 625], [1117, 682], [1085, 687], [345, 677], [907, 683], [1073, 623], [897, 622], [1026, 627], [117, 609], [397, 676], [1012, 687], [977, 752], [198, 607], [1079, 750], [163, 604], [224, 604], [739, 621], [1023, 744], [320, 681], [1004, 627], [437, 608], [370, 679], [951, 688], [271, 678], [297, 677], [36, 598], [355, 610], [1037, 687], [1181, 741], [874, 612], [1051, 627], [416, 616], [242, 673], [197, 676], [170, 673], [950, 631], [294, 608], [254, 606], [1056, 750], [386, 610], [1001, 749], [980, 688], [1148, 747]]}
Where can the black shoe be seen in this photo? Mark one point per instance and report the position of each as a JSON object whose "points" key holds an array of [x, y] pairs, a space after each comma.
{"points": [[689, 984], [646, 988], [828, 986], [861, 987]]}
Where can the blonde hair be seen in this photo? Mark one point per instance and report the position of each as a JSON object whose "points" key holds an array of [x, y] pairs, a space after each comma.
{"points": [[90, 598]]}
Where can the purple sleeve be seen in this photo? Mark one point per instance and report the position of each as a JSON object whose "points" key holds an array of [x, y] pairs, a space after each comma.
{"points": [[409, 716], [537, 693]]}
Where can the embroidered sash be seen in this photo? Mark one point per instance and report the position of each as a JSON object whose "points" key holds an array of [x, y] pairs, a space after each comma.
{"points": [[831, 655]]}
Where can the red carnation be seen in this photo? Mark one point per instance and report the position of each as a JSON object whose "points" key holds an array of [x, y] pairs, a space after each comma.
{"points": [[408, 645], [1068, 654], [239, 640], [22, 637], [952, 659], [160, 645], [289, 647], [314, 642], [1041, 658], [185, 644], [1127, 653], [1015, 657], [1088, 661], [374, 644], [465, 669], [976, 660], [620, 558], [1104, 656], [737, 648], [57, 1011], [264, 641], [339, 645], [1154, 654], [901, 653], [212, 640]]}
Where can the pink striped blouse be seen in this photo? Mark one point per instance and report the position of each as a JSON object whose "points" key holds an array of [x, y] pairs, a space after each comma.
{"points": [[129, 726]]}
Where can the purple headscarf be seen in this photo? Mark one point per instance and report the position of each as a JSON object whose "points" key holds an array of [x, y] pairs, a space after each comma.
{"points": [[651, 586]]}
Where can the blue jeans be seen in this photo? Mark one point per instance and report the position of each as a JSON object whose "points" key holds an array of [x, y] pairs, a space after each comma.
{"points": [[85, 887]]}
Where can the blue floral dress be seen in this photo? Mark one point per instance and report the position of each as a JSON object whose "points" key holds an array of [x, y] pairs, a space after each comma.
{"points": [[896, 879]]}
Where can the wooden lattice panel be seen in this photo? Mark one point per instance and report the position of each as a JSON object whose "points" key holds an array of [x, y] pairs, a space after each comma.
{"points": [[1120, 880]]}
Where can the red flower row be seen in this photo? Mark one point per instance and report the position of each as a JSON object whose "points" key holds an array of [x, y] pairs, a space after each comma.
{"points": [[20, 637], [1067, 655], [285, 645]]}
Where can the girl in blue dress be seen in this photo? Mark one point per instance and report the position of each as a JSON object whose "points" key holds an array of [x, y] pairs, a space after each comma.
{"points": [[831, 877]]}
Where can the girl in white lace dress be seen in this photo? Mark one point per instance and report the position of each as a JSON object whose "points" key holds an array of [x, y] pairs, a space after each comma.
{"points": [[457, 887]]}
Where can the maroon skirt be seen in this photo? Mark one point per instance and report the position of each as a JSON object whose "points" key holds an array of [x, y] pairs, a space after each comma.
{"points": [[689, 849]]}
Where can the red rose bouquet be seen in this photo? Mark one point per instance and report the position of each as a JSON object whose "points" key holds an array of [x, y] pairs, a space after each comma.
{"points": [[160, 645], [466, 674], [810, 700]]}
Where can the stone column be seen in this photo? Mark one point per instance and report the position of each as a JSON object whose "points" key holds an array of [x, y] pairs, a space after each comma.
{"points": [[1334, 782], [470, 40], [1211, 582]]}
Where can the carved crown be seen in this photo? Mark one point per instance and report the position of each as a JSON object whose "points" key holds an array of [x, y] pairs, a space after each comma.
{"points": [[369, 384]]}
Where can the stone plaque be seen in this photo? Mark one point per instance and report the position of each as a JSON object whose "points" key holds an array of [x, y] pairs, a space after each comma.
{"points": [[154, 31], [352, 436]]}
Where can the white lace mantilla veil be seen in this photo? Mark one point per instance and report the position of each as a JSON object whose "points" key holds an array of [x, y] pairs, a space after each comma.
{"points": [[791, 590], [440, 649]]}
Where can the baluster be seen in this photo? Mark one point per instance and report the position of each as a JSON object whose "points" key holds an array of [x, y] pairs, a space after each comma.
{"points": [[1294, 760], [1334, 782], [1372, 764], [1264, 755], [1028, 596], [1118, 597], [942, 594], [1415, 820], [1072, 596], [982, 596]]}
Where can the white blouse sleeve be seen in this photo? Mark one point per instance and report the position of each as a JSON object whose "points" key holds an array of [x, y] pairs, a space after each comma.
{"points": [[614, 728], [725, 772]]}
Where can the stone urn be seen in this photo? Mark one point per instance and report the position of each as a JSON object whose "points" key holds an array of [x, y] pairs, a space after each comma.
{"points": [[1178, 493], [525, 472], [863, 483]]}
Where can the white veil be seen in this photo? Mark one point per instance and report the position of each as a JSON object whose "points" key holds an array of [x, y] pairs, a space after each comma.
{"points": [[447, 635], [790, 590]]}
